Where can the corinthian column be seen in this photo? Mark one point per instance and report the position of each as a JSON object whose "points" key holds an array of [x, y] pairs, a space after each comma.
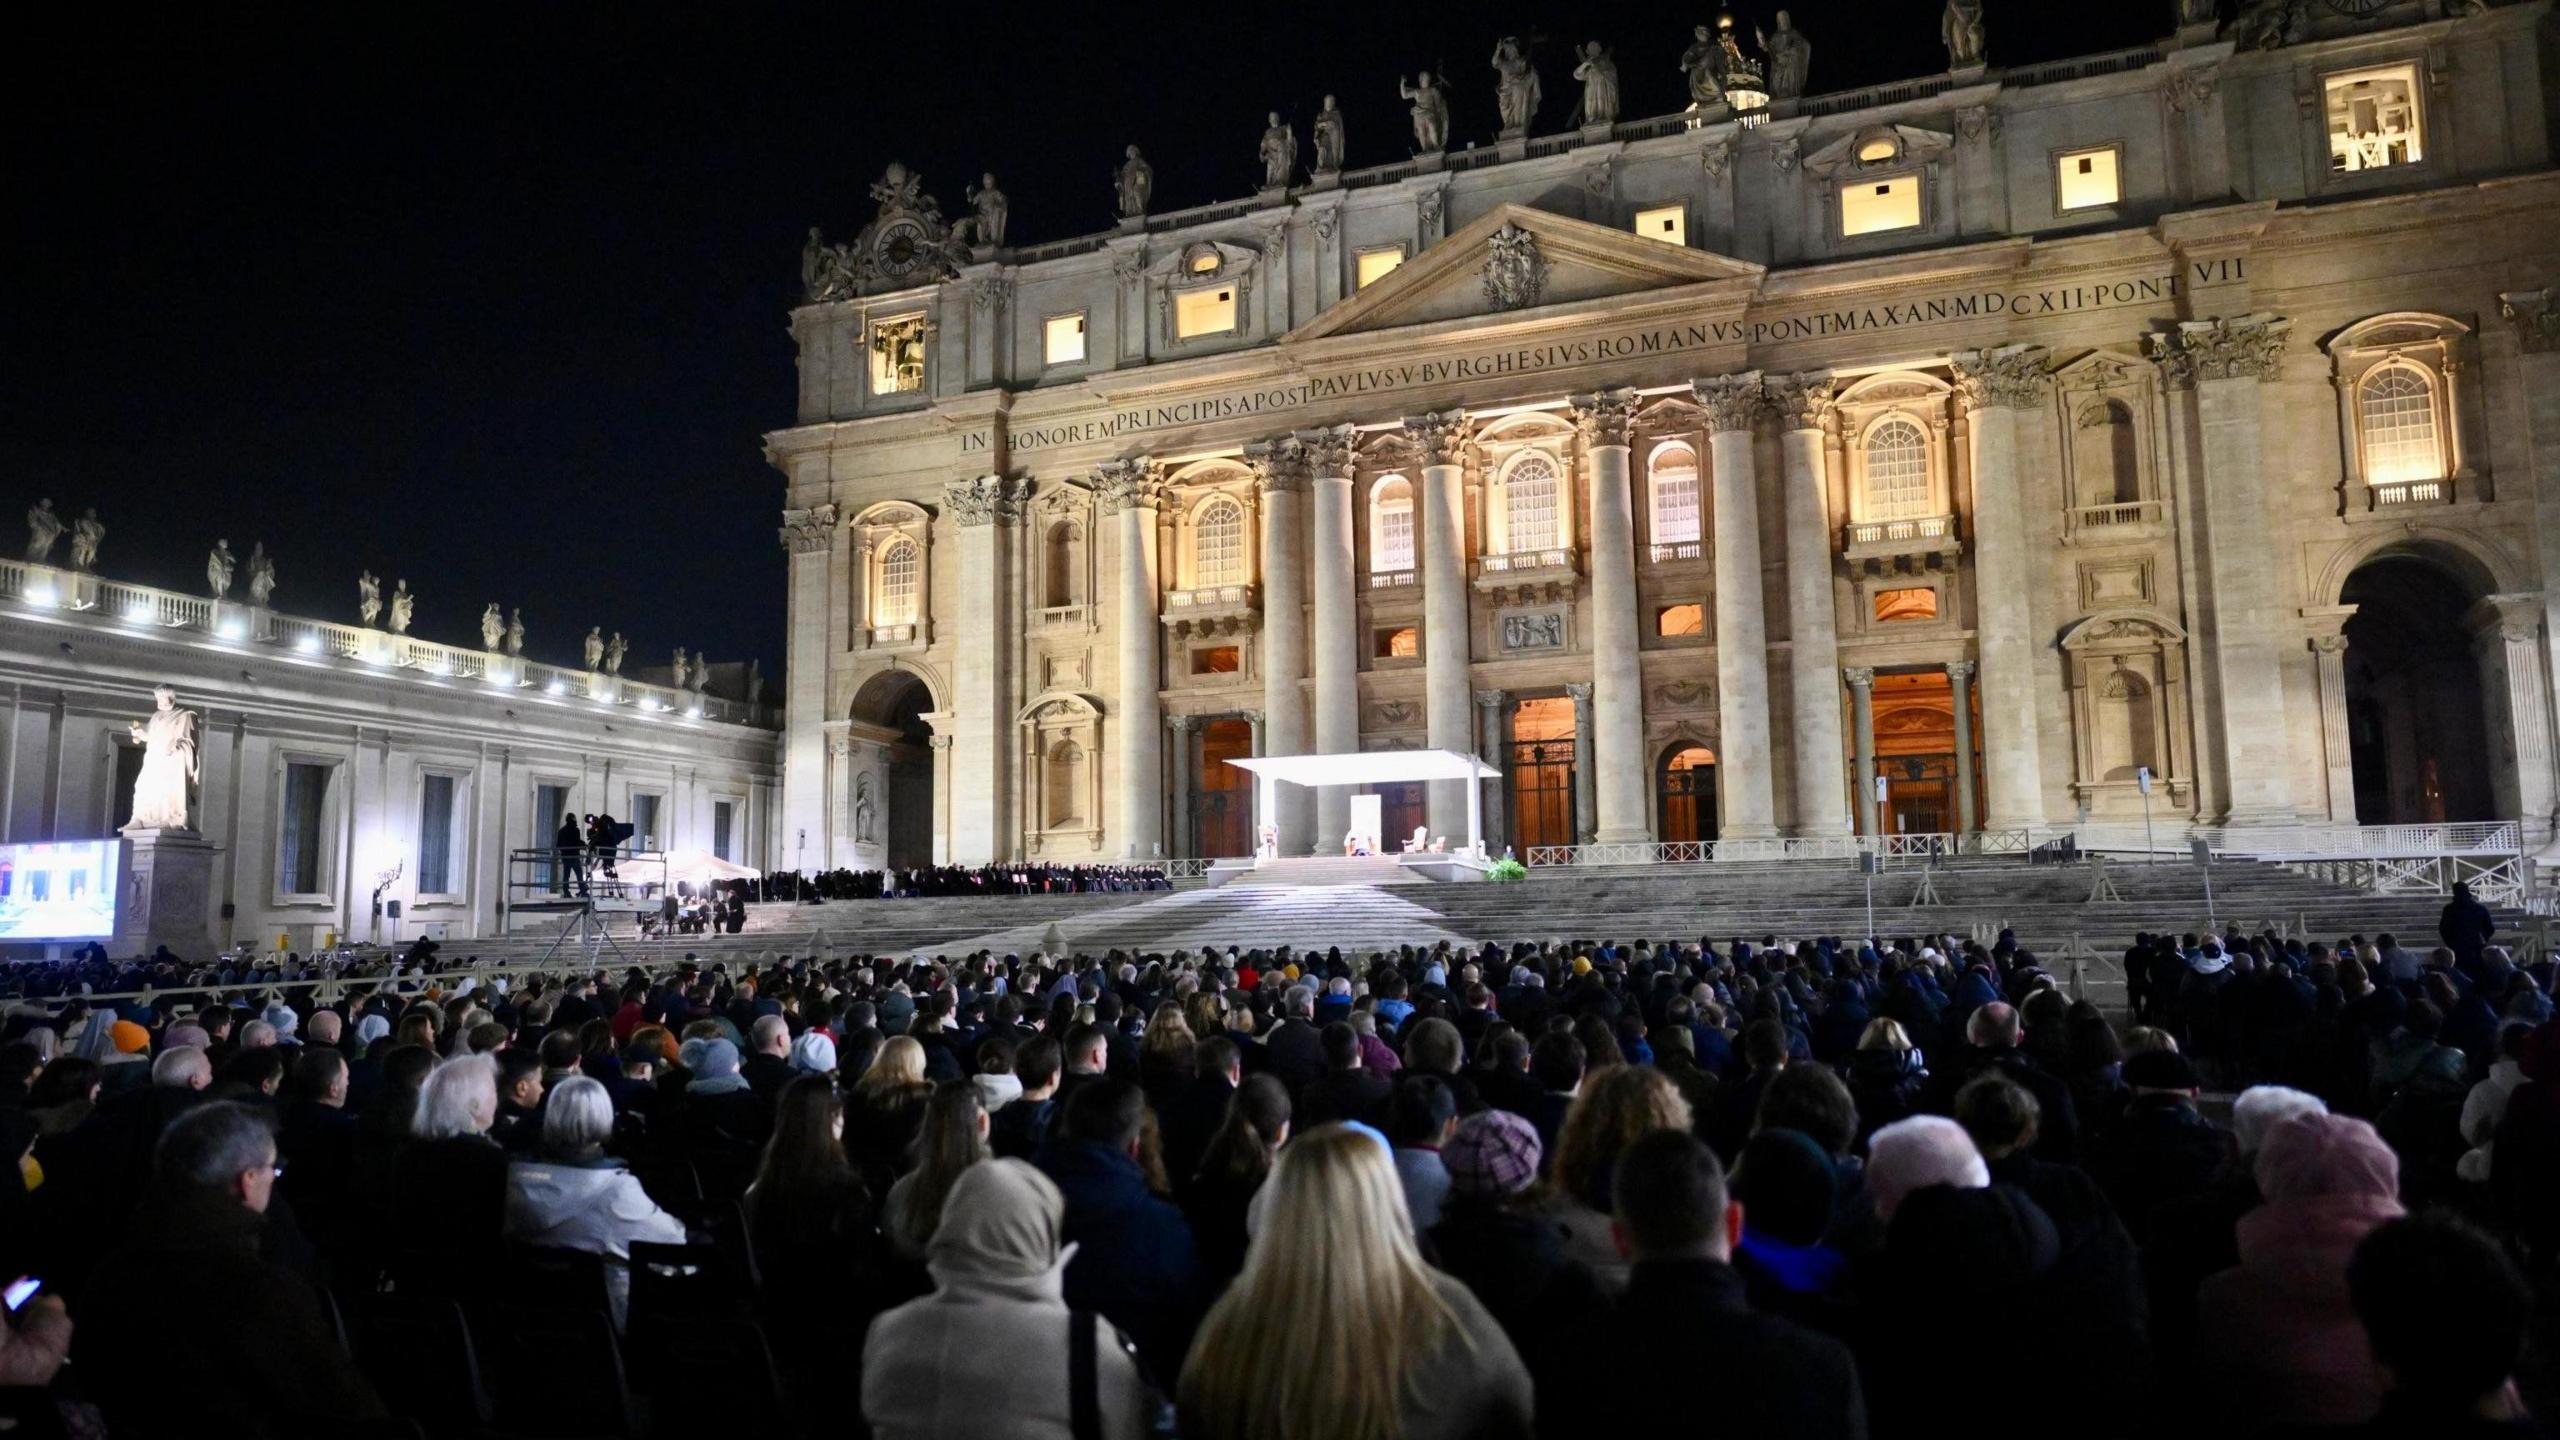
{"points": [[1281, 469], [1960, 692], [989, 510], [1337, 650], [1862, 729], [1803, 407], [1131, 489], [1997, 385], [1742, 628], [1617, 671], [813, 537], [2221, 362], [1442, 441]]}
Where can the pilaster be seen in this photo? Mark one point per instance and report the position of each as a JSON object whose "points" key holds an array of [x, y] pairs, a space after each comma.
{"points": [[1996, 386]]}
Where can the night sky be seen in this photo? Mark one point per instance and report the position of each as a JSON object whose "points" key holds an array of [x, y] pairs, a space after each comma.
{"points": [[494, 298]]}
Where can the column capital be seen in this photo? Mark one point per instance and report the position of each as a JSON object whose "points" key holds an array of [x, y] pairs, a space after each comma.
{"points": [[1278, 465], [1133, 484], [2237, 347], [1491, 699], [989, 499], [1605, 418], [2010, 376], [1329, 451], [940, 742], [2536, 316], [1181, 724], [1729, 400], [2516, 616], [1801, 401], [1440, 438], [2335, 644], [806, 532], [1959, 671], [1859, 676], [1581, 693], [1252, 717]]}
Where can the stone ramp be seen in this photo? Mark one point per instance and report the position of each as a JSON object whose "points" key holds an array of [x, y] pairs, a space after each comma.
{"points": [[1245, 915]]}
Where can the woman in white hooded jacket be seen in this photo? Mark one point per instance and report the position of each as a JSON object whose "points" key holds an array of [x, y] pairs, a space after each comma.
{"points": [[576, 1197], [992, 1351]]}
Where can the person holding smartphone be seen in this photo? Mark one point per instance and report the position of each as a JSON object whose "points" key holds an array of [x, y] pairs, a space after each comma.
{"points": [[36, 1338]]}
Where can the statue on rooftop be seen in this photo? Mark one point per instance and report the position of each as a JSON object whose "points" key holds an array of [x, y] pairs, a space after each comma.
{"points": [[826, 271], [44, 530], [595, 647], [681, 670], [493, 628], [1790, 57], [991, 207], [218, 569], [86, 532], [1515, 85], [403, 607], [1328, 138], [613, 654], [515, 633], [1703, 63], [368, 597], [1962, 30], [1279, 154], [1598, 72], [262, 574], [1430, 113], [1135, 182]]}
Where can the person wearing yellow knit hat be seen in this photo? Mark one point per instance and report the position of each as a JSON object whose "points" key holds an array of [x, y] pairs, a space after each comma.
{"points": [[1581, 964]]}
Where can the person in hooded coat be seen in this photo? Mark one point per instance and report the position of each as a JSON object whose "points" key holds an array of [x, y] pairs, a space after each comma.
{"points": [[2278, 1340], [994, 1349]]}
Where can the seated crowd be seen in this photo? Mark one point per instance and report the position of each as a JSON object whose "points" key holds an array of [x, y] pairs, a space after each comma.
{"points": [[940, 880], [1793, 1189]]}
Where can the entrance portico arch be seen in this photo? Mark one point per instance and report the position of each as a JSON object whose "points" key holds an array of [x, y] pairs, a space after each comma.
{"points": [[882, 790]]}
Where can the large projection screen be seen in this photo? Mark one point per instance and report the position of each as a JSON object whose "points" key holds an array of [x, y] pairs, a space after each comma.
{"points": [[60, 890]]}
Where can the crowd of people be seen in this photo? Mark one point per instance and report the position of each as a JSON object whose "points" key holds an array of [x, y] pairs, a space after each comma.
{"points": [[1555, 1189], [941, 880]]}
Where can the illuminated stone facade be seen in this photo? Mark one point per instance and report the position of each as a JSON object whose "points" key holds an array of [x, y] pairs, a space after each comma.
{"points": [[1643, 466]]}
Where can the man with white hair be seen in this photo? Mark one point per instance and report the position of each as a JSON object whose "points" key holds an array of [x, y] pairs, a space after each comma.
{"points": [[257, 1035], [1293, 1052], [1993, 1034], [184, 1068], [768, 1063], [1911, 1155]]}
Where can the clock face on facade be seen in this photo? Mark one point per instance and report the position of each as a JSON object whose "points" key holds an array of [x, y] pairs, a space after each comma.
{"points": [[899, 249], [2357, 9]]}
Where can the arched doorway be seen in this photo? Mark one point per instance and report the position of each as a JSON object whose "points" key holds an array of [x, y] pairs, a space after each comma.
{"points": [[897, 700], [1685, 794], [1540, 774], [2417, 716], [1222, 802]]}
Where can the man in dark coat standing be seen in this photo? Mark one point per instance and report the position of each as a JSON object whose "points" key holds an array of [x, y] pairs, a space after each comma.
{"points": [[2465, 928], [1134, 1263]]}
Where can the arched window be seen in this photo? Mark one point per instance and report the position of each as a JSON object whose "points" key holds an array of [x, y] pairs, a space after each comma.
{"points": [[1065, 783], [1391, 526], [901, 580], [2396, 405], [1897, 471], [1217, 545], [1529, 503], [1674, 473], [1059, 563], [2109, 460]]}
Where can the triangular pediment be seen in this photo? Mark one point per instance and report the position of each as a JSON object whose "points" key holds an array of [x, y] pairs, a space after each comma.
{"points": [[1579, 262]]}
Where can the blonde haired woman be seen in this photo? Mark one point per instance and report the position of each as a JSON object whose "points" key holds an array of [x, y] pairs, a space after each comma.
{"points": [[1337, 1328], [1618, 1105], [884, 1112], [1167, 1058]]}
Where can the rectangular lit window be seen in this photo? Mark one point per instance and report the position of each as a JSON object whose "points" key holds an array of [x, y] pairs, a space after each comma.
{"points": [[1914, 604], [1216, 660], [2084, 179], [1396, 642], [2373, 119], [1371, 266], [897, 355], [1062, 339], [1668, 224], [1871, 207], [1675, 620], [1204, 312]]}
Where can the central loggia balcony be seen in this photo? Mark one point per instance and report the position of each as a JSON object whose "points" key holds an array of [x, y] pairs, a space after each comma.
{"points": [[1926, 542]]}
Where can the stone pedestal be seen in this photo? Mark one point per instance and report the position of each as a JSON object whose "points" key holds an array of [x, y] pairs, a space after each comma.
{"points": [[166, 894]]}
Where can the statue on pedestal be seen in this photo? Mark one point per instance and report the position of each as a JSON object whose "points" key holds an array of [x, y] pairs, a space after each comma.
{"points": [[262, 574], [1790, 57], [1328, 138], [613, 654], [368, 597], [86, 532], [594, 647], [863, 808], [1961, 29], [1598, 73], [1703, 63], [701, 672], [1430, 113], [1515, 86], [1279, 154], [168, 741], [403, 606], [218, 569], [755, 682], [1135, 181], [682, 670], [44, 530], [493, 627], [987, 227], [515, 633]]}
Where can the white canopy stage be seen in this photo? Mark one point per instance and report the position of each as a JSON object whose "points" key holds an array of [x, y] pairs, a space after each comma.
{"points": [[1368, 767]]}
